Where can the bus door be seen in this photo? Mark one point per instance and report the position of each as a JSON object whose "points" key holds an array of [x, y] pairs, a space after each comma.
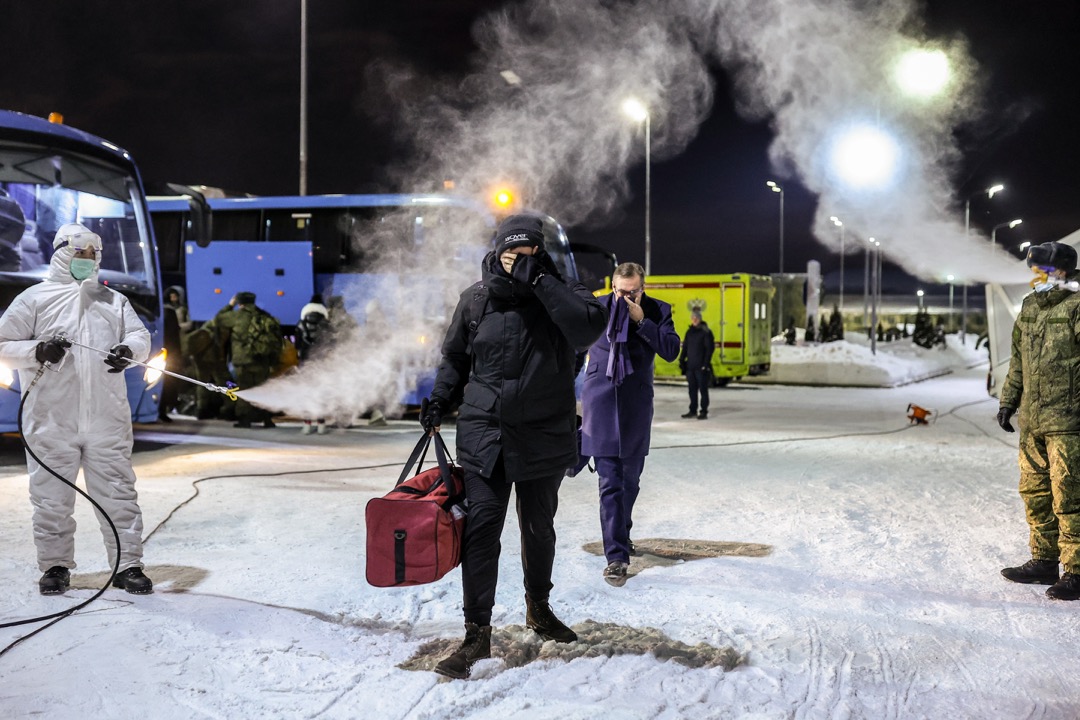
{"points": [[732, 323]]}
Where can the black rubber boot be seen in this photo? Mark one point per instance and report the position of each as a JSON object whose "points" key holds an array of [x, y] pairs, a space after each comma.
{"points": [[133, 581], [1033, 572], [55, 581], [1067, 588], [475, 647], [541, 620]]}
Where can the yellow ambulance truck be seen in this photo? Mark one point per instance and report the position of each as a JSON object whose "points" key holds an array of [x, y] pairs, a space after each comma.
{"points": [[736, 309]]}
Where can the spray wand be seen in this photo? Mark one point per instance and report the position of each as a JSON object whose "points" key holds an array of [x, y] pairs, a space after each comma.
{"points": [[226, 391]]}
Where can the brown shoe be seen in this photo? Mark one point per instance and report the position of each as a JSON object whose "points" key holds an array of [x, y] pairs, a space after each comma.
{"points": [[541, 620]]}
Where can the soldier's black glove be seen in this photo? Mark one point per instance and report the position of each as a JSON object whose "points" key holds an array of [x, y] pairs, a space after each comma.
{"points": [[119, 359], [51, 351], [527, 269], [1004, 415], [430, 414]]}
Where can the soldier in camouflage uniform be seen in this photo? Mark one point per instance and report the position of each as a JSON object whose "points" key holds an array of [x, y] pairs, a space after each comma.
{"points": [[251, 368], [1044, 384]]}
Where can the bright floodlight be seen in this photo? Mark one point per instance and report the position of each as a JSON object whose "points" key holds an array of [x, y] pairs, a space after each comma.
{"points": [[866, 157], [635, 109], [922, 73], [994, 190], [1014, 223]]}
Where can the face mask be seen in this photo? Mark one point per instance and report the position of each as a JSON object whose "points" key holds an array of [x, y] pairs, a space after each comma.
{"points": [[81, 268]]}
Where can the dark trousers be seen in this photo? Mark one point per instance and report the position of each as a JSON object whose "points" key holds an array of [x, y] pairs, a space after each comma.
{"points": [[489, 498], [699, 381], [249, 376], [620, 481]]}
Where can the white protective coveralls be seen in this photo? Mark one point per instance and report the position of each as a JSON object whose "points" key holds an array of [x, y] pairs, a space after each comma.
{"points": [[77, 414]]}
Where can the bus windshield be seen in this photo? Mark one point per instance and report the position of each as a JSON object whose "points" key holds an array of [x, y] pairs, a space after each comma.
{"points": [[42, 188]]}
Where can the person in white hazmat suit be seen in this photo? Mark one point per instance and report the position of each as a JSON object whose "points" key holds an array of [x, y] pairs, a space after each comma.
{"points": [[77, 415]]}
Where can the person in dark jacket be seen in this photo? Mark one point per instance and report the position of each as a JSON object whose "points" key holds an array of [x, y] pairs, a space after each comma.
{"points": [[695, 362], [509, 359], [617, 405]]}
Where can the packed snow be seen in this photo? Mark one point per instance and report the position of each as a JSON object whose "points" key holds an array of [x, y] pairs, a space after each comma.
{"points": [[847, 566]]}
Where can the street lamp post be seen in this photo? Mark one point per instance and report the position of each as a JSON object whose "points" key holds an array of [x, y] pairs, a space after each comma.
{"points": [[780, 309], [875, 289], [303, 97], [637, 111], [950, 278], [836, 221], [920, 294], [993, 232], [990, 193]]}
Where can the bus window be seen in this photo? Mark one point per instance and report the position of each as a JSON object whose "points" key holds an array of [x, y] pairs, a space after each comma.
{"points": [[331, 240], [287, 225], [237, 225], [169, 233]]}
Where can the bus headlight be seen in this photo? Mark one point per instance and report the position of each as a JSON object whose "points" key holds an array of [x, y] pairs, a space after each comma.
{"points": [[7, 376], [156, 367]]}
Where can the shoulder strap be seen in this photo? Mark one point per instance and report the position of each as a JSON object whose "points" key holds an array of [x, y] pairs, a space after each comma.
{"points": [[477, 309]]}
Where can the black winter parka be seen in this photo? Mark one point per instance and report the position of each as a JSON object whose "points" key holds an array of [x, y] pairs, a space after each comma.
{"points": [[515, 380]]}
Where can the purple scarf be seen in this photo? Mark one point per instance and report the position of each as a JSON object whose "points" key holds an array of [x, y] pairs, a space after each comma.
{"points": [[619, 366]]}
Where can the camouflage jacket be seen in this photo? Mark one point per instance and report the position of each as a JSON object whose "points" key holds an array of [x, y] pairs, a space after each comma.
{"points": [[230, 325], [1044, 370]]}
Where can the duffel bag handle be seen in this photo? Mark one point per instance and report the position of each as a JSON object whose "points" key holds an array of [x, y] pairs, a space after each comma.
{"points": [[416, 459]]}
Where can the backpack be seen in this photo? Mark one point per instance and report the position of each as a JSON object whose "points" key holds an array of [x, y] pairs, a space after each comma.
{"points": [[261, 336], [477, 309]]}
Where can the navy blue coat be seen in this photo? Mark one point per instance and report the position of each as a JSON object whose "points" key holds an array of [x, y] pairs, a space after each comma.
{"points": [[617, 421]]}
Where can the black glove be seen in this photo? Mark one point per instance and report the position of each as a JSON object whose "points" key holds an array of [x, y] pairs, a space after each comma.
{"points": [[119, 358], [430, 414], [51, 351], [541, 256], [527, 269], [1003, 417]]}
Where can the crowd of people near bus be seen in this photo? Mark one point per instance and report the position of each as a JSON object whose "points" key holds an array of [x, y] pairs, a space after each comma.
{"points": [[242, 346]]}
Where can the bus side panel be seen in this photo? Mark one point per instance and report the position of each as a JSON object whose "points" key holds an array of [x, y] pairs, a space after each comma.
{"points": [[279, 273]]}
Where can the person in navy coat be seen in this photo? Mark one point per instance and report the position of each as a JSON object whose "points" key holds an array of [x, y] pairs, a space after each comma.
{"points": [[617, 405]]}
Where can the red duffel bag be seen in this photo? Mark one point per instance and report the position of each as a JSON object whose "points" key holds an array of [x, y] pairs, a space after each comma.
{"points": [[414, 532]]}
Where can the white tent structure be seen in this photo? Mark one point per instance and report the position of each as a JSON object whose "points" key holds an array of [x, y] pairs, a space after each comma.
{"points": [[1002, 306]]}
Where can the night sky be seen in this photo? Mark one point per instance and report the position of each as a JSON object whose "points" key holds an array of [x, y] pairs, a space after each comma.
{"points": [[207, 93]]}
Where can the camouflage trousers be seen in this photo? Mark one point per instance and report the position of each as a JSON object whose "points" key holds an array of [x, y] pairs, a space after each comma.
{"points": [[1050, 489]]}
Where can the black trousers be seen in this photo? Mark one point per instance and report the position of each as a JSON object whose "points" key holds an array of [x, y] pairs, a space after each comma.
{"points": [[699, 380], [489, 498]]}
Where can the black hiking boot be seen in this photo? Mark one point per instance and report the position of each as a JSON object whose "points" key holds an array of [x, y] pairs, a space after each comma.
{"points": [[691, 414], [541, 620], [1067, 588], [703, 415], [133, 581], [475, 647], [55, 581], [1033, 572], [615, 573]]}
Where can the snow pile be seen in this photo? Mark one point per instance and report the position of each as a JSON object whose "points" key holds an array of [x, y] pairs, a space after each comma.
{"points": [[850, 362]]}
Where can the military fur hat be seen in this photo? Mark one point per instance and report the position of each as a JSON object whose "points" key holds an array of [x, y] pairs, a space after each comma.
{"points": [[1052, 254]]}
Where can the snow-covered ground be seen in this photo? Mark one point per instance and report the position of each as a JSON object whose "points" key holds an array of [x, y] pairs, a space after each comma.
{"points": [[861, 581]]}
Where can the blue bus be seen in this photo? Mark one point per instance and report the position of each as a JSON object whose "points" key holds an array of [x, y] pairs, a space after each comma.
{"points": [[51, 174], [359, 248]]}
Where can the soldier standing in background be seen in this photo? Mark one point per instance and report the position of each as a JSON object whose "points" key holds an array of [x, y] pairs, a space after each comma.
{"points": [[1041, 383]]}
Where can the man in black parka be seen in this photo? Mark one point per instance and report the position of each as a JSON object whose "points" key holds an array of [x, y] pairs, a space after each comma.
{"points": [[509, 359]]}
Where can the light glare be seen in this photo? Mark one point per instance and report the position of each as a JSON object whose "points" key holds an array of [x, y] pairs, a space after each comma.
{"points": [[866, 158], [923, 73]]}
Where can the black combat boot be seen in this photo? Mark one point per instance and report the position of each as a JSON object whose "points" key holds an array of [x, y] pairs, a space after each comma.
{"points": [[133, 581], [475, 647], [1036, 572], [1067, 588], [55, 581], [540, 619]]}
